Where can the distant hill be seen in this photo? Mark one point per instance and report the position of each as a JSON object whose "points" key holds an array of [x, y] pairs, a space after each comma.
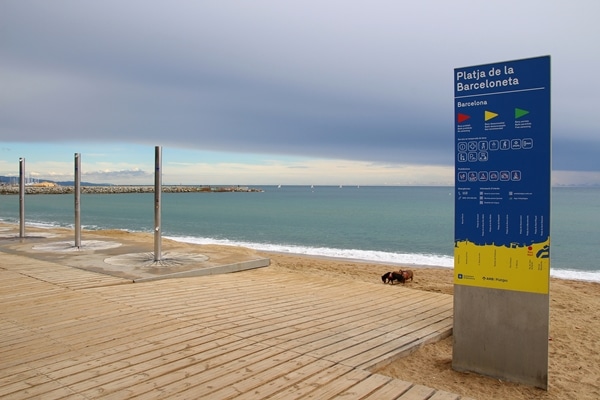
{"points": [[15, 180], [72, 183]]}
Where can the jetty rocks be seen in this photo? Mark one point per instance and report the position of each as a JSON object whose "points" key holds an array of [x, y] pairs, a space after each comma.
{"points": [[14, 189]]}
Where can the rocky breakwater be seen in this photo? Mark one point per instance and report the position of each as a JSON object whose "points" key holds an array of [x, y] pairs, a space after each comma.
{"points": [[14, 189]]}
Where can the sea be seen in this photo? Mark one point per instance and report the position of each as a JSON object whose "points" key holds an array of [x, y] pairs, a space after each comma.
{"points": [[409, 225]]}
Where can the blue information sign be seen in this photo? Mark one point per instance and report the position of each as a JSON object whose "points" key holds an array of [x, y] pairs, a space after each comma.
{"points": [[502, 175]]}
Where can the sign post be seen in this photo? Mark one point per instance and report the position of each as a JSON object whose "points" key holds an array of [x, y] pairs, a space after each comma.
{"points": [[502, 220]]}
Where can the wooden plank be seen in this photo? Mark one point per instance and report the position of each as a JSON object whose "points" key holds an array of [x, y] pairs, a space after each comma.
{"points": [[25, 380], [170, 368], [392, 390], [343, 348], [340, 385], [206, 382], [34, 387], [109, 377], [417, 392], [15, 374], [248, 381], [26, 356], [442, 395], [374, 351], [132, 362], [116, 354], [166, 384], [300, 389], [365, 387], [270, 387]]}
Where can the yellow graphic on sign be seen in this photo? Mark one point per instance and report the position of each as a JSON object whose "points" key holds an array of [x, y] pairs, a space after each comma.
{"points": [[489, 115], [519, 268]]}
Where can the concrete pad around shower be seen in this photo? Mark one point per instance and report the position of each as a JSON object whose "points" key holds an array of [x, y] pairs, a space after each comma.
{"points": [[130, 255]]}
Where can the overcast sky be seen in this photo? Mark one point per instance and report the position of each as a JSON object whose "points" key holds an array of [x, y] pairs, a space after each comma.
{"points": [[277, 92]]}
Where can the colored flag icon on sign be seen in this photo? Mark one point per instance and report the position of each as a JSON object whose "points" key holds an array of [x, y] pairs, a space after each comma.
{"points": [[489, 115], [462, 117], [520, 112]]}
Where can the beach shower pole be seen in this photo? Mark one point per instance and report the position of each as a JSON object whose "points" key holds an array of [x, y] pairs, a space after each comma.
{"points": [[77, 200], [157, 198], [21, 197]]}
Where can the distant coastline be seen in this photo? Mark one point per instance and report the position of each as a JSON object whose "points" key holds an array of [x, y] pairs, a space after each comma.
{"points": [[122, 189]]}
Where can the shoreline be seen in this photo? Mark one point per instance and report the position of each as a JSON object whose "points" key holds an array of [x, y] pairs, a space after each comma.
{"points": [[564, 274], [353, 260]]}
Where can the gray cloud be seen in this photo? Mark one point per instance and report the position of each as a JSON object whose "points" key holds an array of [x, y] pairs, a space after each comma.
{"points": [[342, 79]]}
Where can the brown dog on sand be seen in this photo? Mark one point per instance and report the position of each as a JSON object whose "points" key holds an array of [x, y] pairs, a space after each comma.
{"points": [[407, 274], [390, 277]]}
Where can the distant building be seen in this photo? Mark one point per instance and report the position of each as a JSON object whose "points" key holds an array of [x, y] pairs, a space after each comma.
{"points": [[44, 184]]}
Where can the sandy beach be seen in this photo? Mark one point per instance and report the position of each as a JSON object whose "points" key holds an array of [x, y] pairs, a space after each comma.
{"points": [[574, 370], [574, 349]]}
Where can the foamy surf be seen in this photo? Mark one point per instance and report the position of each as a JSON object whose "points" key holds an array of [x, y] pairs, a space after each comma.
{"points": [[430, 260]]}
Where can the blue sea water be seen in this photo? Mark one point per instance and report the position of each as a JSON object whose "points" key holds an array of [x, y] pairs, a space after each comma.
{"points": [[407, 225]]}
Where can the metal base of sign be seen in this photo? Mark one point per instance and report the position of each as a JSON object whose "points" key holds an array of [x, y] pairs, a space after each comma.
{"points": [[502, 334]]}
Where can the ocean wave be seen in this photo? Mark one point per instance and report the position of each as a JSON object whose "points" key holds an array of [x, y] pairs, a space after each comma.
{"points": [[431, 260], [353, 254], [589, 276], [44, 225]]}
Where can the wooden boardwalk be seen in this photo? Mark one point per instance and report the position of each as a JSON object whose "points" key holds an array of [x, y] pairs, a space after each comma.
{"points": [[68, 333]]}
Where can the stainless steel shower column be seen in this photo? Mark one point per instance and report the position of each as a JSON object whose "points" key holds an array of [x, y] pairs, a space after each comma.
{"points": [[78, 200], [21, 197], [157, 202]]}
